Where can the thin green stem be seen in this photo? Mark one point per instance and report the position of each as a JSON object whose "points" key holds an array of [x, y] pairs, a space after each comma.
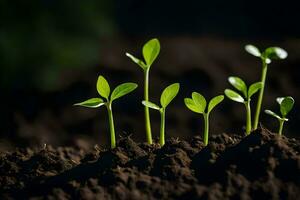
{"points": [[147, 114], [261, 93], [162, 127], [248, 120], [206, 128], [281, 122], [111, 126]]}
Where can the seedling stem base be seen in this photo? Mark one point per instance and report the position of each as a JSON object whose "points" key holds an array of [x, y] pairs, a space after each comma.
{"points": [[206, 128], [162, 127], [111, 126], [248, 120], [281, 122]]}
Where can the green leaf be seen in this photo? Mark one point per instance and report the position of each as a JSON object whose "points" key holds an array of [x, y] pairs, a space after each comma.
{"points": [[150, 51], [253, 50], [275, 53], [151, 105], [199, 101], [234, 96], [255, 87], [239, 84], [190, 104], [137, 61], [122, 90], [214, 102], [169, 94], [286, 105], [269, 112], [91, 103], [103, 87]]}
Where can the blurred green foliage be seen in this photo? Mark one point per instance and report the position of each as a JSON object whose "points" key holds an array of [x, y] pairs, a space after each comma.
{"points": [[39, 38]]}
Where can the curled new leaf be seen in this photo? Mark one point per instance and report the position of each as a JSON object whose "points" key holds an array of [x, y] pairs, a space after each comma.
{"points": [[234, 96], [253, 50], [151, 105], [199, 101], [214, 102], [150, 51], [255, 87], [286, 105], [137, 61], [239, 84], [169, 94], [275, 53], [122, 90], [91, 103], [279, 100], [103, 87]]}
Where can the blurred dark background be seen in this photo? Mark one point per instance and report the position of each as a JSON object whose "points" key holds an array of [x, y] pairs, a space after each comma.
{"points": [[52, 52]]}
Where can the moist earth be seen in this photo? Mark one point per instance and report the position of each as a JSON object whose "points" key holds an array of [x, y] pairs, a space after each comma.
{"points": [[262, 165]]}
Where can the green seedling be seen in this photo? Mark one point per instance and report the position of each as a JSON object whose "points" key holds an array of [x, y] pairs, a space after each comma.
{"points": [[271, 53], [150, 52], [166, 97], [198, 104], [286, 104], [103, 89], [245, 98]]}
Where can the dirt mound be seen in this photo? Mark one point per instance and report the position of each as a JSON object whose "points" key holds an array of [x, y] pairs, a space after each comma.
{"points": [[259, 166]]}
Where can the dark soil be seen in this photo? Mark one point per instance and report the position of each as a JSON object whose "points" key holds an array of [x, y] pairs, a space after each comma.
{"points": [[259, 166]]}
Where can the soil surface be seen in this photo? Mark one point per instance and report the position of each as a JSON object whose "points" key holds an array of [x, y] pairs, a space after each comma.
{"points": [[259, 166]]}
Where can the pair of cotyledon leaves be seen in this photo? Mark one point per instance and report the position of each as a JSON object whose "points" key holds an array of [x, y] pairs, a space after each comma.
{"points": [[240, 85], [198, 103], [168, 94], [103, 89], [286, 104], [150, 52], [269, 54]]}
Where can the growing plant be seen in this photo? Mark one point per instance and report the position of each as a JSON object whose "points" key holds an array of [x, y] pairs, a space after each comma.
{"points": [[150, 52], [198, 104], [240, 85], [271, 53], [103, 89], [286, 104], [166, 97]]}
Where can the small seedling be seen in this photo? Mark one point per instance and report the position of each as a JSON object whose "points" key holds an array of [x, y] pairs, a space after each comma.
{"points": [[198, 104], [103, 89], [271, 53], [166, 97], [240, 85], [286, 104], [150, 52]]}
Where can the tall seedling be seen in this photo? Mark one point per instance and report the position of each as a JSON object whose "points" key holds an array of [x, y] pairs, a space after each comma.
{"points": [[150, 52], [167, 96], [103, 89], [271, 53]]}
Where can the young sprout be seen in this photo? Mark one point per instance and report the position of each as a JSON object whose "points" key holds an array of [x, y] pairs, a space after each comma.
{"points": [[271, 53], [166, 97], [103, 89], [150, 52], [245, 98], [198, 104], [286, 104]]}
